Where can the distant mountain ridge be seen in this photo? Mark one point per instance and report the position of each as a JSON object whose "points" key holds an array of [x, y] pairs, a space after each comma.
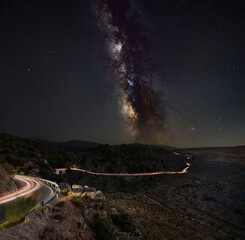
{"points": [[68, 144], [164, 147]]}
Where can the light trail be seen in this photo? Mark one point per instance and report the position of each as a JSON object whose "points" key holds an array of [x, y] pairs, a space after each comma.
{"points": [[126, 174], [30, 186]]}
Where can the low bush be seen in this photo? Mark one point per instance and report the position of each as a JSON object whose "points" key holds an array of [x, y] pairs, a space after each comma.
{"points": [[104, 229], [78, 202], [23, 171], [64, 191], [15, 161], [7, 167], [124, 221]]}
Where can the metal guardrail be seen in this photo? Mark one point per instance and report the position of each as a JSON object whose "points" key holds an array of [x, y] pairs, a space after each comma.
{"points": [[45, 201], [49, 183]]}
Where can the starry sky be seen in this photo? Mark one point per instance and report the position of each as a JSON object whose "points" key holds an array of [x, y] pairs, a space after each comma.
{"points": [[55, 83]]}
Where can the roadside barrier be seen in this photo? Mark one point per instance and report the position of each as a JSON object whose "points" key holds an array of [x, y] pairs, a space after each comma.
{"points": [[50, 184]]}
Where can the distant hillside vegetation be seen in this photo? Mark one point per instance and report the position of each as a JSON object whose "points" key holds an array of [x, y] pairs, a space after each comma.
{"points": [[24, 156], [28, 157], [68, 144], [130, 158]]}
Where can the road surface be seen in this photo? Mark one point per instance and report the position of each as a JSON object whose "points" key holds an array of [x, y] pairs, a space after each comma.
{"points": [[26, 187], [126, 174]]}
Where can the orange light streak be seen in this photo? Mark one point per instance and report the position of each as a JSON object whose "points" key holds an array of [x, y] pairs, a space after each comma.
{"points": [[30, 186], [129, 174]]}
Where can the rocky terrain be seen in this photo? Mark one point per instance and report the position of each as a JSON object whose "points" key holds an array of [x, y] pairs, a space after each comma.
{"points": [[207, 203], [28, 157], [78, 214], [5, 182]]}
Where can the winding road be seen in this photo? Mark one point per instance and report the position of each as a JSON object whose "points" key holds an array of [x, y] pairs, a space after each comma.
{"points": [[34, 188], [26, 187], [125, 174]]}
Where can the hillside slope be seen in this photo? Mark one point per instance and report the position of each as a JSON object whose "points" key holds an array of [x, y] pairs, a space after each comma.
{"points": [[32, 157], [5, 183], [130, 158], [68, 144]]}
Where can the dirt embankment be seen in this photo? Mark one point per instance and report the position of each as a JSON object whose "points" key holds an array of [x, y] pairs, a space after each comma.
{"points": [[5, 183]]}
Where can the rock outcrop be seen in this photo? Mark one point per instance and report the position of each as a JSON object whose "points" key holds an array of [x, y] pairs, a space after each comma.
{"points": [[65, 186], [5, 182], [69, 219], [77, 188]]}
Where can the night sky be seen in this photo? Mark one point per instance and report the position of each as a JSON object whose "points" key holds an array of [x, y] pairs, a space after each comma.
{"points": [[56, 82]]}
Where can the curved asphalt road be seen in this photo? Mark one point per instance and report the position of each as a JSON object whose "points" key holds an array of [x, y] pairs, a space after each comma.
{"points": [[126, 174], [27, 188]]}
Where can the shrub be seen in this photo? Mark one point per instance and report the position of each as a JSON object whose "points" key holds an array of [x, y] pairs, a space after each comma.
{"points": [[23, 171], [124, 221], [78, 202], [6, 151], [7, 167], [65, 192], [104, 229], [238, 210]]}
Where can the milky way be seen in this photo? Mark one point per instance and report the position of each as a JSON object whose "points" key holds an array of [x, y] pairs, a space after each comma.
{"points": [[130, 56]]}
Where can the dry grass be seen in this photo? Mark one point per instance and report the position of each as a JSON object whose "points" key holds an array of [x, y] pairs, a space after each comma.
{"points": [[169, 220]]}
